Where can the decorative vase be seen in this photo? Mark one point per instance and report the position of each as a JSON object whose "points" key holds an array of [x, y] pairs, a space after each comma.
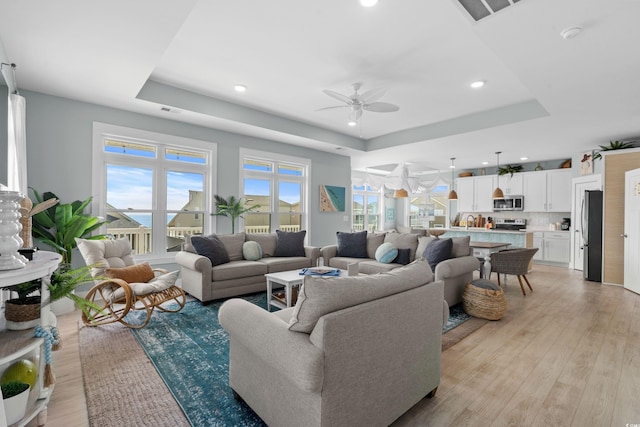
{"points": [[539, 167], [16, 406], [10, 227]]}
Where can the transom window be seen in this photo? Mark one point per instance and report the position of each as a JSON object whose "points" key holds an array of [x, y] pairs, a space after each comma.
{"points": [[153, 189], [279, 184]]}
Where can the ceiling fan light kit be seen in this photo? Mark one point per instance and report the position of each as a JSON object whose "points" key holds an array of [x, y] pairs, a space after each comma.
{"points": [[357, 103]]}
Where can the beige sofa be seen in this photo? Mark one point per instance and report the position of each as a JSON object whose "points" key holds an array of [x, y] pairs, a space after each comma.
{"points": [[455, 272], [239, 276], [354, 351]]}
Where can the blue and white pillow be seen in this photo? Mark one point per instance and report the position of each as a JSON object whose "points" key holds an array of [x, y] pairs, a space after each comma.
{"points": [[386, 253], [251, 250]]}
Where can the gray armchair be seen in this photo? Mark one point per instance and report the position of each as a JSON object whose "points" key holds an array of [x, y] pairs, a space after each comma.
{"points": [[513, 261]]}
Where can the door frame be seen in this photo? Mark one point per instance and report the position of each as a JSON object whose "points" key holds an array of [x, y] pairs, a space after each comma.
{"points": [[631, 228], [596, 181]]}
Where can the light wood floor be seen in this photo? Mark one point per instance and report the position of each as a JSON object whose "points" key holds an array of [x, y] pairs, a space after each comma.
{"points": [[567, 354]]}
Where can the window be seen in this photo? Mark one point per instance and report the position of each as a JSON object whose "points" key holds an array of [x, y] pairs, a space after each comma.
{"points": [[153, 189], [429, 210], [366, 208], [279, 184]]}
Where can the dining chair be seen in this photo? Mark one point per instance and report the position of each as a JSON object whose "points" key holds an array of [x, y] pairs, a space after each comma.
{"points": [[513, 261]]}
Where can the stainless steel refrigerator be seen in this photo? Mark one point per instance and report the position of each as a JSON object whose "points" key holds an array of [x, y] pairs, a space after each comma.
{"points": [[591, 226]]}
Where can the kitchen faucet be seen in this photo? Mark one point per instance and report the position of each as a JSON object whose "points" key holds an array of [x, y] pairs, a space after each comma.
{"points": [[473, 220]]}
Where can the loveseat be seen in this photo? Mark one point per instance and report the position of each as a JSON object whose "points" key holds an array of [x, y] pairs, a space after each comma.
{"points": [[207, 274], [455, 271], [354, 351]]}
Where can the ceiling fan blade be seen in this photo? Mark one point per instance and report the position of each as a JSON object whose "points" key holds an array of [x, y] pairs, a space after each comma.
{"points": [[372, 95], [338, 96], [330, 108], [381, 107]]}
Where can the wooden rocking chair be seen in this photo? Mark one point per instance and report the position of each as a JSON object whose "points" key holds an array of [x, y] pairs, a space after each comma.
{"points": [[122, 287]]}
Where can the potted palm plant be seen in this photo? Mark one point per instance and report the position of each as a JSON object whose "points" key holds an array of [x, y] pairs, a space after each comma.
{"points": [[232, 208]]}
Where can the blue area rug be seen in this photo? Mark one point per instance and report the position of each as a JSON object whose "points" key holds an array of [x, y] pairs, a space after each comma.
{"points": [[191, 353]]}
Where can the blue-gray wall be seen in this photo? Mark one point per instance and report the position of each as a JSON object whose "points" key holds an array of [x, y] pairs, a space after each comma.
{"points": [[59, 150]]}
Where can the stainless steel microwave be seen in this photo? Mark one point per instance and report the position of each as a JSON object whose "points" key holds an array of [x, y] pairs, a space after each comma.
{"points": [[509, 203]]}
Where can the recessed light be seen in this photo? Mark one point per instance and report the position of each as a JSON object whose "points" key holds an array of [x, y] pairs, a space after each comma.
{"points": [[352, 123], [478, 84], [570, 33], [524, 158], [240, 88], [485, 163], [368, 3]]}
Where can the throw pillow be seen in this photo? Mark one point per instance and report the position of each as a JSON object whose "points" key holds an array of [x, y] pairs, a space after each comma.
{"points": [[158, 284], [438, 251], [486, 284], [403, 241], [290, 243], [352, 245], [373, 241], [267, 242], [404, 257], [423, 242], [105, 253], [251, 251], [386, 253], [460, 246], [212, 248], [140, 273], [233, 245]]}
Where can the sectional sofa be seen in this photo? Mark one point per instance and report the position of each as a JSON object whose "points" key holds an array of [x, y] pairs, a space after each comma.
{"points": [[455, 271]]}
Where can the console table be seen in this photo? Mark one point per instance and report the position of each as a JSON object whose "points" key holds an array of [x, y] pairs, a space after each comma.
{"points": [[16, 345]]}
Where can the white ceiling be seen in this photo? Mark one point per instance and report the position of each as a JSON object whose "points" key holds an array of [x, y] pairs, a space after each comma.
{"points": [[545, 97]]}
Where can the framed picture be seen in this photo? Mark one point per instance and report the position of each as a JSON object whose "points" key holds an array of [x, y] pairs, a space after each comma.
{"points": [[586, 163], [390, 214], [332, 199]]}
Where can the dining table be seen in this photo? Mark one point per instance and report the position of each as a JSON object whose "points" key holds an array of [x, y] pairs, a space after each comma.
{"points": [[484, 250]]}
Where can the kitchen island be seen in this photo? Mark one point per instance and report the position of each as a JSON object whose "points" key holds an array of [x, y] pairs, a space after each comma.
{"points": [[518, 239]]}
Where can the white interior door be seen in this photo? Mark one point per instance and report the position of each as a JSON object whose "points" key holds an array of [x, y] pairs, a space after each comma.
{"points": [[590, 182], [632, 231]]}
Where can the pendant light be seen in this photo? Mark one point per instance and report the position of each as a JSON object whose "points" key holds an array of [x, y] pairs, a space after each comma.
{"points": [[452, 194], [497, 193], [400, 194]]}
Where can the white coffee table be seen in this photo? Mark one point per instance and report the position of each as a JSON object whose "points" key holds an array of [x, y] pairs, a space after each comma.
{"points": [[288, 279]]}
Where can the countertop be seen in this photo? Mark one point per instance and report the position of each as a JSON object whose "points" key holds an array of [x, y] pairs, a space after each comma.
{"points": [[487, 230]]}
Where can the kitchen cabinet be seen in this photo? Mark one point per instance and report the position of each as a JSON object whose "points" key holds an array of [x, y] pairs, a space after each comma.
{"points": [[547, 191], [22, 344], [474, 194], [512, 185], [554, 247]]}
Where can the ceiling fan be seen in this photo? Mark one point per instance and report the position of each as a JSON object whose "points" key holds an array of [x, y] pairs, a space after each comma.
{"points": [[357, 103]]}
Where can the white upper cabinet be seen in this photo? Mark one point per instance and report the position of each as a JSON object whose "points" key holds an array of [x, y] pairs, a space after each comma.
{"points": [[474, 194], [547, 191], [512, 185]]}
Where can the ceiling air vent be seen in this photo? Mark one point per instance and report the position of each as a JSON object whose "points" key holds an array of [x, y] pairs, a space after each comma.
{"points": [[479, 9]]}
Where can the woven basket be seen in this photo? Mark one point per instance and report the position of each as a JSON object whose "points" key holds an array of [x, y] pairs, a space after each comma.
{"points": [[484, 303], [21, 312]]}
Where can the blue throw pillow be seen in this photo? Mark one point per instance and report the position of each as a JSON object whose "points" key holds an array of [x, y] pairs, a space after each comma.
{"points": [[438, 251], [352, 245], [404, 257], [212, 248], [386, 253], [290, 243]]}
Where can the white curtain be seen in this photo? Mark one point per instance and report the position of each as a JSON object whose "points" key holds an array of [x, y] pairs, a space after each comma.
{"points": [[17, 145]]}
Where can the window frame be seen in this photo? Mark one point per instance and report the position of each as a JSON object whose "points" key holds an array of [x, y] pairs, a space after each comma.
{"points": [[272, 176], [160, 166], [365, 197]]}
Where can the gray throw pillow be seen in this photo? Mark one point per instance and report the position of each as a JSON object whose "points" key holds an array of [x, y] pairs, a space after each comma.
{"points": [[352, 245], [212, 248], [290, 243], [438, 251], [460, 246], [485, 284]]}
